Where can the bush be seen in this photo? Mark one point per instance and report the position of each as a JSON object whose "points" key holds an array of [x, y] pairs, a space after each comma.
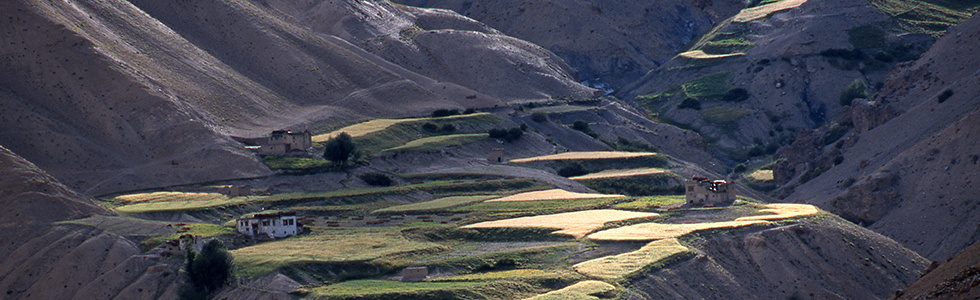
{"points": [[739, 168], [835, 134], [572, 170], [838, 160], [430, 127], [945, 95], [469, 111], [444, 113], [510, 135], [623, 144], [448, 128], [539, 117], [377, 179], [207, 271], [339, 149], [690, 103], [581, 126], [736, 95], [857, 89]]}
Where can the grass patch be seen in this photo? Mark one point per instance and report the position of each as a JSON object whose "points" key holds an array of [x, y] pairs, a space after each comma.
{"points": [[652, 201], [440, 142], [176, 201], [435, 204], [377, 135], [576, 224], [721, 115], [711, 85], [701, 55], [614, 173], [439, 187], [277, 162], [324, 245], [641, 185], [583, 290], [658, 231], [762, 11], [203, 230], [538, 206], [368, 287], [506, 274], [624, 265], [924, 17]]}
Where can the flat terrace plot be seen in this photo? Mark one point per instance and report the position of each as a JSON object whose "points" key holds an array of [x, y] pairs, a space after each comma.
{"points": [[699, 54], [761, 175], [440, 142], [580, 290], [174, 201], [328, 245], [623, 265], [585, 156], [780, 211], [761, 11], [553, 194], [436, 204], [657, 231], [576, 224], [619, 173], [362, 129], [356, 288]]}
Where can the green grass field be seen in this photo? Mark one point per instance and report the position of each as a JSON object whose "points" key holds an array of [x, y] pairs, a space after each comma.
{"points": [[325, 245], [583, 290], [435, 204], [368, 287], [191, 203], [433, 143], [538, 206], [378, 135], [652, 201], [924, 17], [616, 267], [287, 162]]}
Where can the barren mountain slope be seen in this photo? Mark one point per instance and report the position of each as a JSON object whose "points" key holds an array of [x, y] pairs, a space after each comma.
{"points": [[609, 43], [42, 260], [293, 48], [957, 278], [912, 168], [760, 76], [97, 123], [826, 258]]}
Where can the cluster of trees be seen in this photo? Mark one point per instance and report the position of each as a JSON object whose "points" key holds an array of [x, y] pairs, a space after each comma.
{"points": [[207, 271]]}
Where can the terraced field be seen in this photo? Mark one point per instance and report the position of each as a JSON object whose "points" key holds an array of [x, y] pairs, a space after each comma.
{"points": [[576, 224], [616, 267], [553, 194], [620, 173], [584, 156]]}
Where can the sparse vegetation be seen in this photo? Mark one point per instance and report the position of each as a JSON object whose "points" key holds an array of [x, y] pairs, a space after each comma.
{"points": [[623, 144], [377, 179], [651, 202], [539, 117], [723, 115], [857, 89]]}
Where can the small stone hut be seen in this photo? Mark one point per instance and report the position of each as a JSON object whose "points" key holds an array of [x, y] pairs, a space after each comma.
{"points": [[699, 191], [415, 274]]}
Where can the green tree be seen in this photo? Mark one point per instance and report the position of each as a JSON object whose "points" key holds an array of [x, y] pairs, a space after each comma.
{"points": [[339, 149], [207, 271]]}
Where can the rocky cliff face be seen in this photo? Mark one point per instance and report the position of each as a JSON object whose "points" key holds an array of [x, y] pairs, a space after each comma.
{"points": [[43, 260], [609, 43], [910, 175]]}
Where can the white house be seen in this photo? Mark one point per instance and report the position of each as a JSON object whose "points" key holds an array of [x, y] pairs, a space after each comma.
{"points": [[273, 225]]}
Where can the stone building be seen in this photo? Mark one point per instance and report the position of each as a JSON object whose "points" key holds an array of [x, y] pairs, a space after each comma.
{"points": [[272, 225], [415, 274], [280, 142], [699, 191], [496, 155]]}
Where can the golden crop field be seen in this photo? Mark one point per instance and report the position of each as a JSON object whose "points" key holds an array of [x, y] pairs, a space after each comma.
{"points": [[761, 175], [580, 290], [657, 231], [517, 273], [619, 266], [779, 211], [372, 126], [576, 224], [698, 54], [584, 155], [436, 204], [553, 194], [168, 197], [619, 173], [761, 11]]}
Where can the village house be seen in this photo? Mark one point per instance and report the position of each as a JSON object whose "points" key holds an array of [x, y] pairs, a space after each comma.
{"points": [[415, 274], [699, 191], [280, 142], [272, 225], [496, 155]]}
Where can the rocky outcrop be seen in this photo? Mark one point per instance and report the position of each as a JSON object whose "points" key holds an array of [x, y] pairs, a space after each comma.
{"points": [[867, 202], [957, 278]]}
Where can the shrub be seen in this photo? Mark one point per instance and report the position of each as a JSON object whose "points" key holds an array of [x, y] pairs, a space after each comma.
{"points": [[339, 149], [739, 168], [430, 127], [838, 160], [448, 128], [207, 271], [469, 111], [835, 134], [497, 133], [377, 179], [572, 170], [444, 113], [945, 95], [510, 135], [539, 117], [581, 126], [623, 144], [755, 150], [690, 103], [857, 89], [736, 95]]}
